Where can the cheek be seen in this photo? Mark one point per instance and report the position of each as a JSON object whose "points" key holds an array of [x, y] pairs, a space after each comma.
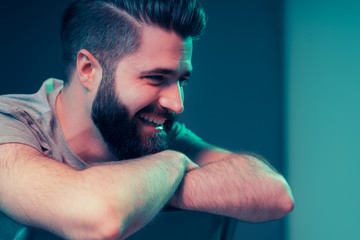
{"points": [[137, 98]]}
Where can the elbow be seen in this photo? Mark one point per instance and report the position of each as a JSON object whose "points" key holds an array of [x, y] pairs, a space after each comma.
{"points": [[107, 228], [96, 221], [289, 204], [106, 224], [278, 203], [284, 202]]}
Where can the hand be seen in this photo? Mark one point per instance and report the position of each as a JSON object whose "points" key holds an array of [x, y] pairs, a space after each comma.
{"points": [[175, 155], [191, 165]]}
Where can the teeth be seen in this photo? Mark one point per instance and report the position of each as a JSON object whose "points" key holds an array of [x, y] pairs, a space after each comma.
{"points": [[161, 127], [153, 121], [157, 122]]}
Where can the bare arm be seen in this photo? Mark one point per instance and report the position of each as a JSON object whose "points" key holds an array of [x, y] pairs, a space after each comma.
{"points": [[236, 185], [101, 202]]}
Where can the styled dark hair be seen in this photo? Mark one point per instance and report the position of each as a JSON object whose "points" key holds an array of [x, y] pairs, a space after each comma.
{"points": [[111, 29]]}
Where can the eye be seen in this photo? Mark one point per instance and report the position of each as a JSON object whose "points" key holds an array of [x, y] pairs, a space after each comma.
{"points": [[155, 79], [183, 81]]}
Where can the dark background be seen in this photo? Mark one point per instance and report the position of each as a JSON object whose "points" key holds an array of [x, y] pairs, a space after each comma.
{"points": [[234, 99]]}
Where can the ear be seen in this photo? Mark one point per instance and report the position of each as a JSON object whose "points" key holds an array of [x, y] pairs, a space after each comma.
{"points": [[88, 69]]}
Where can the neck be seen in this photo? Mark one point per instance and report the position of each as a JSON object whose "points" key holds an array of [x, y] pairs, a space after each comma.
{"points": [[80, 133]]}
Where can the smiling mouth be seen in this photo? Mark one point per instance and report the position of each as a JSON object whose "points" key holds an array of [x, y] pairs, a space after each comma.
{"points": [[158, 124]]}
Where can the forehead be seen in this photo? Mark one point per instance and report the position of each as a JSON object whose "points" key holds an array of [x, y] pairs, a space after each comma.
{"points": [[155, 37], [162, 49]]}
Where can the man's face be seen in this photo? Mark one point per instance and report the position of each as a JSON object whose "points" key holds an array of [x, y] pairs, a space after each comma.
{"points": [[144, 93]]}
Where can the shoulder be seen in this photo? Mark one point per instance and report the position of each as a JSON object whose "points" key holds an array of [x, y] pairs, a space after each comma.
{"points": [[27, 118], [33, 104], [37, 107]]}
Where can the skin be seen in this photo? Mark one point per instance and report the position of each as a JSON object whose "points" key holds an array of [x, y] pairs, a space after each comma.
{"points": [[261, 193], [159, 50], [133, 103], [162, 50], [101, 202]]}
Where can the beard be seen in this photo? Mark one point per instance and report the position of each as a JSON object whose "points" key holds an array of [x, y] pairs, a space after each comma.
{"points": [[120, 132]]}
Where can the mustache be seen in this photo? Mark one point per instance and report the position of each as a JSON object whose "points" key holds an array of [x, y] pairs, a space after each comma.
{"points": [[159, 111]]}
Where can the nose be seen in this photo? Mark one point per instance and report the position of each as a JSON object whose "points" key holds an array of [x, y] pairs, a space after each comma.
{"points": [[172, 98]]}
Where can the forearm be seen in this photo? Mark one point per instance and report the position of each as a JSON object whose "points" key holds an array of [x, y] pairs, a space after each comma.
{"points": [[101, 202], [140, 188], [238, 186]]}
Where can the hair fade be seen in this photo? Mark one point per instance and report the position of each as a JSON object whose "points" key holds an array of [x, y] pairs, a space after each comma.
{"points": [[111, 29]]}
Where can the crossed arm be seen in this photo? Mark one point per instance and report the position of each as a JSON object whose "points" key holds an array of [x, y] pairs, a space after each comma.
{"points": [[236, 185], [117, 199], [108, 201]]}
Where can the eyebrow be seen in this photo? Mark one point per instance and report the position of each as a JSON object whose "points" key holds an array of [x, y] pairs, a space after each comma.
{"points": [[164, 71]]}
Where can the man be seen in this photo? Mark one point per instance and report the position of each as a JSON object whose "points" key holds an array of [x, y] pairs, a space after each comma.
{"points": [[101, 155]]}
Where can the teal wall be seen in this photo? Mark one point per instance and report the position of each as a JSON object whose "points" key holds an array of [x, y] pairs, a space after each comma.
{"points": [[234, 99], [322, 73]]}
